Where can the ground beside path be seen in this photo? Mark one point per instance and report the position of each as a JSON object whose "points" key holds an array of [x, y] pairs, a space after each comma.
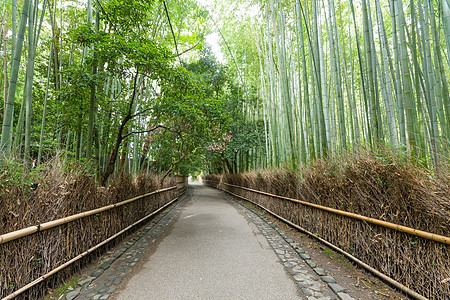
{"points": [[210, 246]]}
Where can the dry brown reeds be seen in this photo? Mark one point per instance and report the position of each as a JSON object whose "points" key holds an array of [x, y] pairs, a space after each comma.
{"points": [[381, 187], [61, 194]]}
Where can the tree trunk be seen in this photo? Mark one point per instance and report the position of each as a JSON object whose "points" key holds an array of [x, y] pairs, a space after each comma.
{"points": [[103, 178]]}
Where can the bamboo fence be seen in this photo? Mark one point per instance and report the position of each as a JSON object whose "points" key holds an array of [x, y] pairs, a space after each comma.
{"points": [[63, 246], [418, 260], [412, 231]]}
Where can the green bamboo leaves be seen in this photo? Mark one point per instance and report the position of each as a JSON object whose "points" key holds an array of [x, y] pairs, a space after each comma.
{"points": [[317, 78]]}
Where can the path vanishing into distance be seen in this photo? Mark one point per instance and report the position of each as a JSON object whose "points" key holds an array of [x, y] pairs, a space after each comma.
{"points": [[209, 246], [211, 251]]}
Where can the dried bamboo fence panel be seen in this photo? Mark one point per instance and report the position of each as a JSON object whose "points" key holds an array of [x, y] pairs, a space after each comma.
{"points": [[416, 262], [27, 258], [182, 183]]}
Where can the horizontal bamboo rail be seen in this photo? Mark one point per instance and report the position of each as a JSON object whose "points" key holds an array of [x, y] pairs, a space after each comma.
{"points": [[10, 236], [374, 271], [78, 257], [415, 232]]}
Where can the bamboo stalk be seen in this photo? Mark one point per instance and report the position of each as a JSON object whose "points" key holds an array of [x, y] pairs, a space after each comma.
{"points": [[10, 236], [29, 86], [15, 66], [5, 64], [446, 25], [409, 99], [78, 257], [44, 112], [416, 232]]}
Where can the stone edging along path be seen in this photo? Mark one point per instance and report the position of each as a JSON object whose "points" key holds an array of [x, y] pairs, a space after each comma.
{"points": [[102, 282], [313, 282]]}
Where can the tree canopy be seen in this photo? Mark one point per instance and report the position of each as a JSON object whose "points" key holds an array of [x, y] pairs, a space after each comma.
{"points": [[132, 85]]}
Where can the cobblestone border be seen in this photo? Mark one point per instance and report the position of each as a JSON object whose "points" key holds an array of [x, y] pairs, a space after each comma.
{"points": [[313, 281], [102, 282]]}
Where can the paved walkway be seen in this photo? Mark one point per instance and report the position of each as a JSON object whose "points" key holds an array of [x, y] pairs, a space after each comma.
{"points": [[209, 246], [211, 252]]}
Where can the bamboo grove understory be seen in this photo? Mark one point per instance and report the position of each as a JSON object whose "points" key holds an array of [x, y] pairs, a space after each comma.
{"points": [[131, 85], [336, 76]]}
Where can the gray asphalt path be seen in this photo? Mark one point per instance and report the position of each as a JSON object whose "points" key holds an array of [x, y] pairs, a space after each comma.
{"points": [[211, 252]]}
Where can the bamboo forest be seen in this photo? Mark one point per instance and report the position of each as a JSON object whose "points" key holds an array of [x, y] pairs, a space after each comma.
{"points": [[298, 82], [338, 104]]}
